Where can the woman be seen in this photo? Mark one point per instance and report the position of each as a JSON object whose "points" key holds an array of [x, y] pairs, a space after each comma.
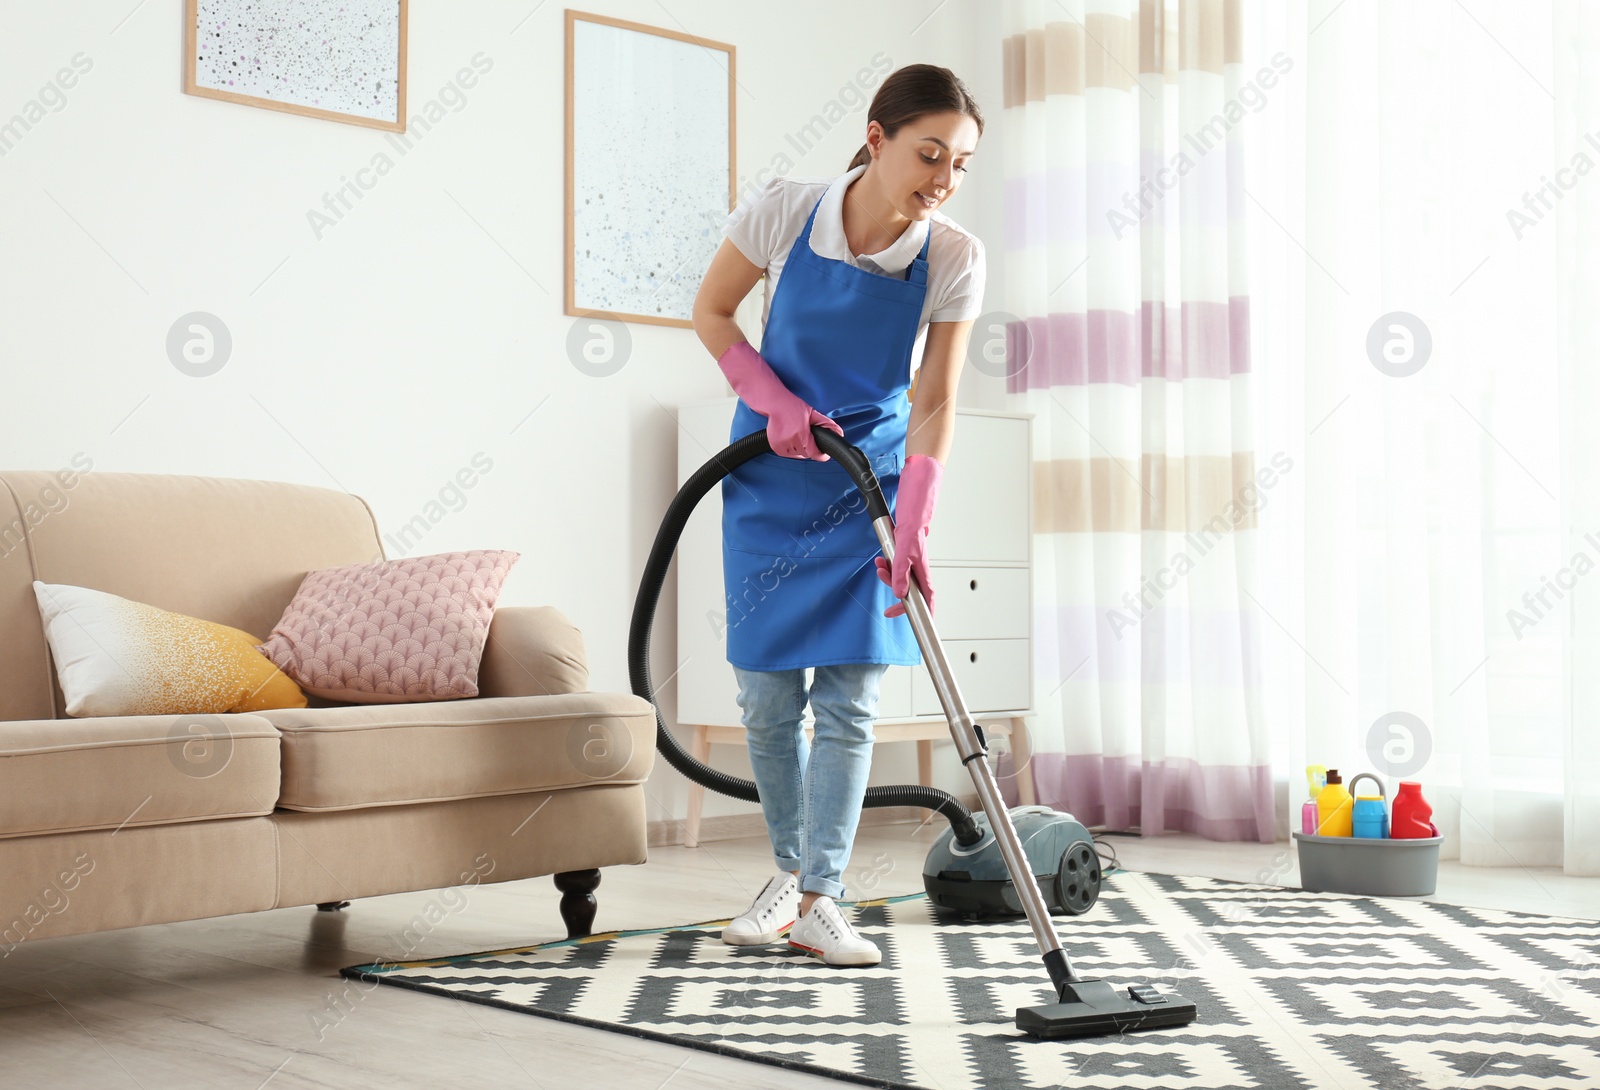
{"points": [[856, 269]]}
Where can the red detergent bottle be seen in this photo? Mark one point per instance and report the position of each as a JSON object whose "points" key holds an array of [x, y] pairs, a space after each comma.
{"points": [[1412, 818]]}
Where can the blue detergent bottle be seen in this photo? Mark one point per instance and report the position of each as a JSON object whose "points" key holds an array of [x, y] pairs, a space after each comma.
{"points": [[1369, 818]]}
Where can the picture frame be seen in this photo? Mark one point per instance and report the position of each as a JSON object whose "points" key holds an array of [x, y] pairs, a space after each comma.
{"points": [[349, 67], [650, 166]]}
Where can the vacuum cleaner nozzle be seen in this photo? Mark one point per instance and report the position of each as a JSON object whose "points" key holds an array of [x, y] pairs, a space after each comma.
{"points": [[1093, 1007]]}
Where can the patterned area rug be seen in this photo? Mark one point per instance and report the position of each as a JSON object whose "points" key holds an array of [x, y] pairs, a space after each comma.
{"points": [[1293, 989]]}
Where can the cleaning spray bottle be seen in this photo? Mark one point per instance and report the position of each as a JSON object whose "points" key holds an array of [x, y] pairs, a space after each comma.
{"points": [[1412, 813], [1334, 807], [1316, 780]]}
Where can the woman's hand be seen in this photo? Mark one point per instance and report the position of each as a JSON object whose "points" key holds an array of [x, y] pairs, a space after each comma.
{"points": [[913, 513], [789, 431], [789, 419]]}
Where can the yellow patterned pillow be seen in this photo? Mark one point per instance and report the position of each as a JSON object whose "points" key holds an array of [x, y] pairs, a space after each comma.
{"points": [[116, 657]]}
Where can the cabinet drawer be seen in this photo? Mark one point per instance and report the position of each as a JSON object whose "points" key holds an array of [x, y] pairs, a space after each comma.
{"points": [[992, 675], [977, 603]]}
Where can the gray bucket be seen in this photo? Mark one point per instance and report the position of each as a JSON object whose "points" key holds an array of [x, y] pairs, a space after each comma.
{"points": [[1377, 868]]}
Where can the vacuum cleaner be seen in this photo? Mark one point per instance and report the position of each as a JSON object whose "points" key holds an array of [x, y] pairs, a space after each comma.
{"points": [[973, 882], [982, 865]]}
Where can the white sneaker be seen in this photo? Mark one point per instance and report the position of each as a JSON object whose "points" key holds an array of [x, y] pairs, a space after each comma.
{"points": [[825, 933], [773, 913]]}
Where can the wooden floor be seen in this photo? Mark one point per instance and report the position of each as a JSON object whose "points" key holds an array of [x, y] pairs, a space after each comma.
{"points": [[255, 1000]]}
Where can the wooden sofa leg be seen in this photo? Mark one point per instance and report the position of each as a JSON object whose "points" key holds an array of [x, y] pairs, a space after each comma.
{"points": [[332, 906], [577, 900]]}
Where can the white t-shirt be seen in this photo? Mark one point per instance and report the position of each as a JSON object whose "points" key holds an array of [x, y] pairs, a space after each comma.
{"points": [[765, 225]]}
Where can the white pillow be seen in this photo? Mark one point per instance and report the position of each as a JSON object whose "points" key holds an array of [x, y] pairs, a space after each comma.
{"points": [[118, 657]]}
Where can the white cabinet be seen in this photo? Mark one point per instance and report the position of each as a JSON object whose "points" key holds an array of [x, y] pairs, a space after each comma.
{"points": [[978, 556]]}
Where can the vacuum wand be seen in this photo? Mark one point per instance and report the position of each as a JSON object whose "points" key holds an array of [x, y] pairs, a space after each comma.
{"points": [[973, 749], [1082, 1007]]}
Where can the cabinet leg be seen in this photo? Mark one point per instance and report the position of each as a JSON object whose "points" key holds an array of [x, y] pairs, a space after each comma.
{"points": [[925, 762], [1022, 760], [577, 900], [700, 749]]}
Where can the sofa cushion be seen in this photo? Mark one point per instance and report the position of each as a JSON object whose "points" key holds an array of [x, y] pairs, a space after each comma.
{"points": [[65, 775], [393, 632], [116, 657], [393, 754]]}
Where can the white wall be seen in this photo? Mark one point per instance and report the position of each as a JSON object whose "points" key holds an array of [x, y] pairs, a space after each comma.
{"points": [[422, 328]]}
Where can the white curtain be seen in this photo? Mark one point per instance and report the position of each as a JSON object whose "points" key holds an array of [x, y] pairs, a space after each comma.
{"points": [[1427, 235], [1127, 340]]}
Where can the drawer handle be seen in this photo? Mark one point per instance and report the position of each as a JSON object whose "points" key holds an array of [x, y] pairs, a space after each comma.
{"points": [[974, 657], [973, 584]]}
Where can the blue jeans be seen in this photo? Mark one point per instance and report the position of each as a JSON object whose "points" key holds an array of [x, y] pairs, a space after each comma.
{"points": [[811, 791]]}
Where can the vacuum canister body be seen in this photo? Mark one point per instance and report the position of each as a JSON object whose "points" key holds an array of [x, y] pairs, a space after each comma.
{"points": [[973, 881]]}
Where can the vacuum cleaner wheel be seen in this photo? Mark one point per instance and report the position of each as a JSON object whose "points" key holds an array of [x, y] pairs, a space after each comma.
{"points": [[1078, 878]]}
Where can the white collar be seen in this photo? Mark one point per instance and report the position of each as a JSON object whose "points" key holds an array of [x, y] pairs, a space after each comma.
{"points": [[827, 231]]}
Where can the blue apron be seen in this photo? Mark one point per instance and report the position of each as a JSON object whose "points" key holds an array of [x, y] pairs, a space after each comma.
{"points": [[797, 543]]}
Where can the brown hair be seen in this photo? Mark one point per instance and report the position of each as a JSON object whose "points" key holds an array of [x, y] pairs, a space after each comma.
{"points": [[913, 91]]}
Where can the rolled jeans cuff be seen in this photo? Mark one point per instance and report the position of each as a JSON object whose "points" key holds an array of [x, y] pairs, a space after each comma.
{"points": [[825, 886]]}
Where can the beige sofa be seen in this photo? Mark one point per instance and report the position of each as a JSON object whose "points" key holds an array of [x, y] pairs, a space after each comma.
{"points": [[120, 821]]}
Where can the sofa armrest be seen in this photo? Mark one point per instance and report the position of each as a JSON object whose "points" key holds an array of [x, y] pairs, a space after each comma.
{"points": [[532, 651]]}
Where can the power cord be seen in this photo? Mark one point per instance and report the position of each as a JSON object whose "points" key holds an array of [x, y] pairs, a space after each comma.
{"points": [[1104, 849], [1107, 854]]}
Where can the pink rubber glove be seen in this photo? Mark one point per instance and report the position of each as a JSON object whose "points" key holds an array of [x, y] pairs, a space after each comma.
{"points": [[913, 513], [789, 419]]}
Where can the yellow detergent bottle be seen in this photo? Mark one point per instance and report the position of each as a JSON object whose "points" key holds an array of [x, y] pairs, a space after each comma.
{"points": [[1334, 807]]}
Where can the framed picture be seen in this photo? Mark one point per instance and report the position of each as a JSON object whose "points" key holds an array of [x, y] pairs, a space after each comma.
{"points": [[340, 62], [650, 167]]}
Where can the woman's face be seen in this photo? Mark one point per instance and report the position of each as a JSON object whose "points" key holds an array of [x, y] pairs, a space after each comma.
{"points": [[922, 166]]}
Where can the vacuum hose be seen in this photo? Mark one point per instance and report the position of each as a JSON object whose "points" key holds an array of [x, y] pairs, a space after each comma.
{"points": [[644, 610]]}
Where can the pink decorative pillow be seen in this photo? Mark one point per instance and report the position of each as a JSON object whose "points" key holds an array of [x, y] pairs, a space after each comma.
{"points": [[391, 632]]}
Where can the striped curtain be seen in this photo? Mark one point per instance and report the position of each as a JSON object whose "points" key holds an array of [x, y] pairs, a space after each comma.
{"points": [[1127, 338]]}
